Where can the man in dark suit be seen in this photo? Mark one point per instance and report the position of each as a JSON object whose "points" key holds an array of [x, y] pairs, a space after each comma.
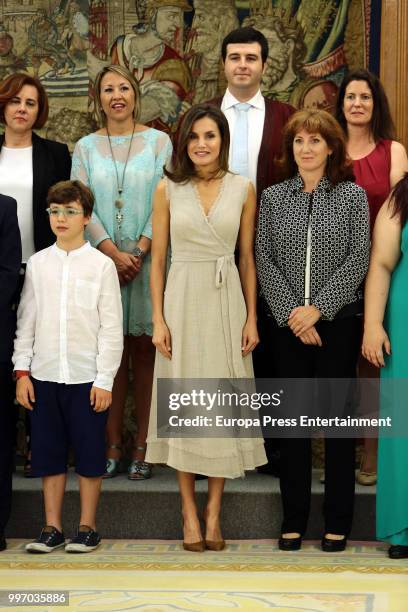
{"points": [[256, 125], [10, 263], [244, 53]]}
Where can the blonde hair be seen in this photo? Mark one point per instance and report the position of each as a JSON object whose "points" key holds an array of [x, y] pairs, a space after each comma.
{"points": [[126, 74]]}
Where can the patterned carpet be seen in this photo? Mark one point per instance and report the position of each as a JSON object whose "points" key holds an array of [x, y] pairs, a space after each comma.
{"points": [[158, 576]]}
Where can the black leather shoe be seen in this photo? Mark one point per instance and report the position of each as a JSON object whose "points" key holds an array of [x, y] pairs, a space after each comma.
{"points": [[3, 543], [329, 545], [270, 468], [288, 544], [398, 552]]}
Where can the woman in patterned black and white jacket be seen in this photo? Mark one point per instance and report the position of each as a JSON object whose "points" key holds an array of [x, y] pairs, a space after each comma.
{"points": [[312, 252]]}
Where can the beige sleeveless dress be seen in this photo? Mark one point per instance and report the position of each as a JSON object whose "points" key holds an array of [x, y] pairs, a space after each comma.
{"points": [[205, 310]]}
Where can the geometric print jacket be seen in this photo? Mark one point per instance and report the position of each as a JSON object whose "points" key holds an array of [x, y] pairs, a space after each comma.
{"points": [[340, 246]]}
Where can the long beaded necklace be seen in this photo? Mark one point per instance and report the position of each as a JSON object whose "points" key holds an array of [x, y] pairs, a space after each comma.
{"points": [[119, 201]]}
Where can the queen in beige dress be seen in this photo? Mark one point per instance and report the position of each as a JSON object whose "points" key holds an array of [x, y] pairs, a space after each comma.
{"points": [[204, 315]]}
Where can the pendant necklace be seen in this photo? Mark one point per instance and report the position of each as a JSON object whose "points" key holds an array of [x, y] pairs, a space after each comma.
{"points": [[119, 201]]}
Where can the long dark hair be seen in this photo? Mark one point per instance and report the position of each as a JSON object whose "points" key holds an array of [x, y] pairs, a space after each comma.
{"points": [[184, 169], [399, 200], [338, 167], [382, 125]]}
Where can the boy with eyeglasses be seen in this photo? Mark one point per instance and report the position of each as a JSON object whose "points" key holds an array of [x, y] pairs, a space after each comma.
{"points": [[67, 351]]}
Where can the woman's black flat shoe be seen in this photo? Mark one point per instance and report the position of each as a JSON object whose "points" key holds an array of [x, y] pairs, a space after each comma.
{"points": [[398, 552], [288, 544], [329, 545]]}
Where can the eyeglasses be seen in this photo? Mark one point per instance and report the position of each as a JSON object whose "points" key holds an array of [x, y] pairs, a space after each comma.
{"points": [[65, 211]]}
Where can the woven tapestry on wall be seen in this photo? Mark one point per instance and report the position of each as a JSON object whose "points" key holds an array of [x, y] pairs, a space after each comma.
{"points": [[174, 49]]}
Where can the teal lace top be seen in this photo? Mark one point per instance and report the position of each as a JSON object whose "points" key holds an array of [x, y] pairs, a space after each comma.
{"points": [[92, 164]]}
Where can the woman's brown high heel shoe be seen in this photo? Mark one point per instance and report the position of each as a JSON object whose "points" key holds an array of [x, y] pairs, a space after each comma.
{"points": [[214, 545], [194, 546]]}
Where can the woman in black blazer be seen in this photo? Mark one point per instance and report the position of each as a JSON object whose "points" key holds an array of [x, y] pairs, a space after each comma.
{"points": [[24, 107], [312, 250], [29, 164]]}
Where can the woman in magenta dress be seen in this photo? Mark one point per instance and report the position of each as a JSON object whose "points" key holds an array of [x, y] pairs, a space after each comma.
{"points": [[379, 162]]}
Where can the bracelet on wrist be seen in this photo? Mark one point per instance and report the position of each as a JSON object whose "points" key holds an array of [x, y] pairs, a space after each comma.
{"points": [[21, 374], [138, 252]]}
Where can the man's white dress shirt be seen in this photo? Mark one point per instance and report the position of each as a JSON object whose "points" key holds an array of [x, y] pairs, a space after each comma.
{"points": [[256, 120], [69, 327]]}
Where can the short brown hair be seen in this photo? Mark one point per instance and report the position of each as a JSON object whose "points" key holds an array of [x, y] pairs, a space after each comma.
{"points": [[339, 165], [10, 87], [245, 35], [66, 192], [124, 73], [183, 166]]}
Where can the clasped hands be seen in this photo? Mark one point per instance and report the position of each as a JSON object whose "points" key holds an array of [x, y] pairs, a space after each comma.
{"points": [[127, 266], [302, 321]]}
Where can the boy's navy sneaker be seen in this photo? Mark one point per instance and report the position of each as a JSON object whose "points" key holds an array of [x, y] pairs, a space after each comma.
{"points": [[3, 543], [86, 540], [50, 539]]}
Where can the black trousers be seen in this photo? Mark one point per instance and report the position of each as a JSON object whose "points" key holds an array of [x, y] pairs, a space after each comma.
{"points": [[337, 358], [262, 359], [7, 435]]}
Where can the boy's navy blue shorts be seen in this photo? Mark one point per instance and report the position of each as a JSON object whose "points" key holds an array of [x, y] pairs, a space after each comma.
{"points": [[62, 418]]}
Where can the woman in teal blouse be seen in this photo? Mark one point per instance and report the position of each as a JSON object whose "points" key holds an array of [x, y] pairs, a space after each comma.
{"points": [[122, 163]]}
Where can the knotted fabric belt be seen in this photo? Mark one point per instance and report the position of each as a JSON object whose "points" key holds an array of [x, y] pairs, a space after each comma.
{"points": [[222, 266]]}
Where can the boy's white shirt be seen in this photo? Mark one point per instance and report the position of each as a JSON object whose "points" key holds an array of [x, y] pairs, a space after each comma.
{"points": [[69, 322]]}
